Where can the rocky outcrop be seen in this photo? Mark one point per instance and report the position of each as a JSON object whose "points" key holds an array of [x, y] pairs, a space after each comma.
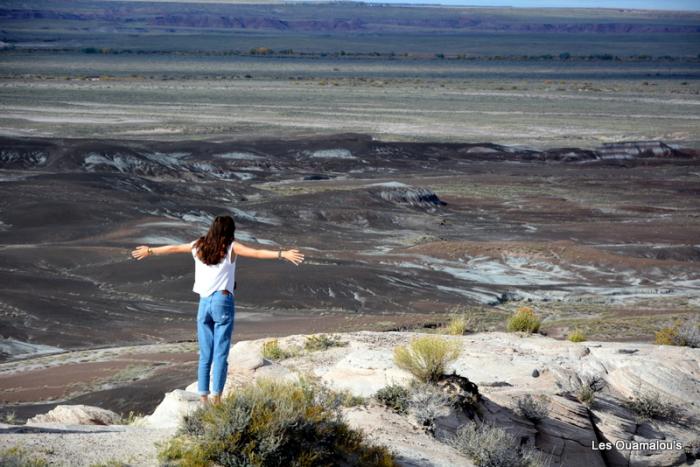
{"points": [[171, 410], [503, 367], [76, 415]]}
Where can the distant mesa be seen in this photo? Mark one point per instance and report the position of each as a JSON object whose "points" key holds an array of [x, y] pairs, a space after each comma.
{"points": [[401, 193]]}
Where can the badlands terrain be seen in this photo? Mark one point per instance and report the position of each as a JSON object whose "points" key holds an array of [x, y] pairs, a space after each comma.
{"points": [[396, 235]]}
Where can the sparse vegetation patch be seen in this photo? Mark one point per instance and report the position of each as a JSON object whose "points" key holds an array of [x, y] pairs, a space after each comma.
{"points": [[323, 342], [651, 406]]}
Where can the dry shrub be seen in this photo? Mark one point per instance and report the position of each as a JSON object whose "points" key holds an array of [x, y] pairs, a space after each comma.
{"points": [[682, 333], [426, 402], [524, 320], [534, 409], [491, 446], [426, 357], [323, 342], [272, 351], [651, 406], [458, 325], [587, 388], [272, 423], [394, 397], [577, 336]]}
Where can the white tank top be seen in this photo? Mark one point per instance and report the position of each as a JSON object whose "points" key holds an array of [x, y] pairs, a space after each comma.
{"points": [[210, 278]]}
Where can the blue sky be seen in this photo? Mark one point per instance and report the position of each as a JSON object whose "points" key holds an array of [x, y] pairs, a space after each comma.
{"points": [[641, 4]]}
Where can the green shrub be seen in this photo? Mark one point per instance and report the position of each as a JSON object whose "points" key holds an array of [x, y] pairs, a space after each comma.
{"points": [[490, 446], [524, 320], [426, 357], [534, 409], [577, 336], [272, 351], [18, 457], [322, 342], [271, 423], [650, 406], [394, 397]]}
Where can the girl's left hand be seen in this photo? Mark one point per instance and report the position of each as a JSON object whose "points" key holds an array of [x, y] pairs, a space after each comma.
{"points": [[140, 252]]}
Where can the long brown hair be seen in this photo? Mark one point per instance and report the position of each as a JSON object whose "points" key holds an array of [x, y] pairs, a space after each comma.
{"points": [[212, 247]]}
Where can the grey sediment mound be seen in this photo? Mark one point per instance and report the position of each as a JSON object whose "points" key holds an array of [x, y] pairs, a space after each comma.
{"points": [[403, 194]]}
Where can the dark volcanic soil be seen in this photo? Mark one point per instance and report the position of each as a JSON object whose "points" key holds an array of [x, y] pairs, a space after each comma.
{"points": [[403, 229]]}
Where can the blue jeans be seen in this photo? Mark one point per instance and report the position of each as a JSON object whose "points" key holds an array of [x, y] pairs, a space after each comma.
{"points": [[214, 329]]}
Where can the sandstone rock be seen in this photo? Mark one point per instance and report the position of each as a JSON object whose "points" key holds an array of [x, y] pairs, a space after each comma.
{"points": [[413, 448], [170, 411], [246, 351], [193, 388], [76, 415], [567, 435], [275, 371], [364, 372], [579, 352]]}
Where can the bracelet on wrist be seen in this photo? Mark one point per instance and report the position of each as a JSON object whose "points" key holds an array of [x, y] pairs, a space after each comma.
{"points": [[150, 251], [279, 254]]}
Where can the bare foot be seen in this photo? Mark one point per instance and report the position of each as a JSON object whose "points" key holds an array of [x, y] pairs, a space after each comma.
{"points": [[204, 399], [216, 399]]}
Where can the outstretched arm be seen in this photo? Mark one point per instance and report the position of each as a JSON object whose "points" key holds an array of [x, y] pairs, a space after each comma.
{"points": [[142, 251], [293, 256]]}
